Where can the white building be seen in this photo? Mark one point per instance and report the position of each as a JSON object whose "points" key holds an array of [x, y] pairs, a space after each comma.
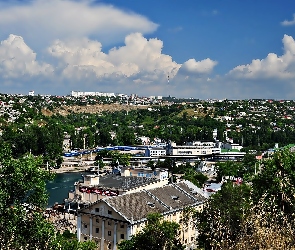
{"points": [[155, 152], [144, 140], [196, 148], [31, 93], [215, 133], [82, 93]]}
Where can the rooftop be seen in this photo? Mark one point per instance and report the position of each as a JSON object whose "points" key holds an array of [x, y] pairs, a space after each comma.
{"points": [[121, 182]]}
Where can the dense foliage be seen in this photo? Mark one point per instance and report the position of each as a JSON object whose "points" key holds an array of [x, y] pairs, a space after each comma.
{"points": [[23, 199], [253, 215], [254, 124], [157, 234]]}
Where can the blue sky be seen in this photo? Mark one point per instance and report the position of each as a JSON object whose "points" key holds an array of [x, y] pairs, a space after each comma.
{"points": [[212, 49]]}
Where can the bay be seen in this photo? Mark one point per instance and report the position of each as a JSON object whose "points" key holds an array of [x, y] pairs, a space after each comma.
{"points": [[59, 188]]}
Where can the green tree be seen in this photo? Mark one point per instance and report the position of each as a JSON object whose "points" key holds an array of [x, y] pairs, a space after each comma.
{"points": [[156, 235], [23, 199], [275, 181], [229, 168], [195, 177], [22, 182], [221, 219]]}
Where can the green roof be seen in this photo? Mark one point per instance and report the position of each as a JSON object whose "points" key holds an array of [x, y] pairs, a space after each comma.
{"points": [[223, 150]]}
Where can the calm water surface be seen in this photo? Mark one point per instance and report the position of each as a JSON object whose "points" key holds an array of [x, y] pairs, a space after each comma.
{"points": [[59, 188]]}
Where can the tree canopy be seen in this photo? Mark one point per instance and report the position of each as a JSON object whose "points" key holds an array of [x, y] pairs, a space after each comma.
{"points": [[253, 215], [23, 198], [156, 235]]}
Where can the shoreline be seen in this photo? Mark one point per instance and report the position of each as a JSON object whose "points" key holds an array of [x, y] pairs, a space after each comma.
{"points": [[69, 169]]}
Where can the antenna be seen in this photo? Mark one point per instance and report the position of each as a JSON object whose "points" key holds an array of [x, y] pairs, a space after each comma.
{"points": [[168, 78]]}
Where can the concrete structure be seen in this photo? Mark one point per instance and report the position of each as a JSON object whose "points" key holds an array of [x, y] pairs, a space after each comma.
{"points": [[83, 93], [196, 148], [111, 220], [154, 152]]}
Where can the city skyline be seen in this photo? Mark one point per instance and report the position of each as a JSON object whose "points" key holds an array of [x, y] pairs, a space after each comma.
{"points": [[190, 49]]}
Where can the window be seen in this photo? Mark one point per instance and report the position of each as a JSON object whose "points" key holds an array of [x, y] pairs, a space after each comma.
{"points": [[109, 246], [97, 230], [85, 238], [97, 210], [109, 212], [97, 220], [85, 226], [122, 226], [122, 236], [109, 233], [109, 223]]}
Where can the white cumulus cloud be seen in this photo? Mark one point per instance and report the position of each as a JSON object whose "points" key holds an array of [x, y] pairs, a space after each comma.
{"points": [[289, 23], [18, 60], [199, 67], [139, 59], [273, 66]]}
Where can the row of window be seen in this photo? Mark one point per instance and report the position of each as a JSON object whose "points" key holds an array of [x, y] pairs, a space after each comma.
{"points": [[109, 223], [109, 232], [97, 210]]}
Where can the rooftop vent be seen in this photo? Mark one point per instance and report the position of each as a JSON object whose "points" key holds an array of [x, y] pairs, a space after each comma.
{"points": [[174, 197], [151, 204]]}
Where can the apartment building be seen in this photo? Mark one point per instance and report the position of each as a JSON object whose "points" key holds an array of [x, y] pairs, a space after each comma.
{"points": [[110, 220]]}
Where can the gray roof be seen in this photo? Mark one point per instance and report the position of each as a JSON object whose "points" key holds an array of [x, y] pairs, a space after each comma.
{"points": [[172, 197], [192, 191], [135, 206], [169, 198], [121, 182]]}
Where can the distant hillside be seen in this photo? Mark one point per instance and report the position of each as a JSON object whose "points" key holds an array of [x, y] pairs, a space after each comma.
{"points": [[196, 112], [92, 109]]}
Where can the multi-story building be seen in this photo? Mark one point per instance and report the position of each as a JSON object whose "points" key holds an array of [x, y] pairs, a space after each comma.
{"points": [[95, 187], [196, 148], [155, 152], [110, 220]]}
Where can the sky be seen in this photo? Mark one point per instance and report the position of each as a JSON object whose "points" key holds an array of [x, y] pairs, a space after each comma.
{"points": [[205, 49]]}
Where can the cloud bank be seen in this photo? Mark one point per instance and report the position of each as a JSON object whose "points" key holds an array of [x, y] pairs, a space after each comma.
{"points": [[140, 66], [41, 21]]}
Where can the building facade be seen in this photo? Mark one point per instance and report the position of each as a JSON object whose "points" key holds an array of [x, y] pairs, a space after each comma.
{"points": [[111, 220], [154, 152], [196, 148]]}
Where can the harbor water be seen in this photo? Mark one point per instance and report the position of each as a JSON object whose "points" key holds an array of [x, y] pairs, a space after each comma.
{"points": [[59, 188]]}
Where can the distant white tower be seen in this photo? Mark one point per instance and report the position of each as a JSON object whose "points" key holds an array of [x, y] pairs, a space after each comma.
{"points": [[31, 93], [215, 133]]}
